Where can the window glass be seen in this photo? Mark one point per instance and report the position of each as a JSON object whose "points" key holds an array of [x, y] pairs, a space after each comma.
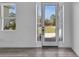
{"points": [[9, 10], [10, 24], [9, 17], [0, 18], [0, 11]]}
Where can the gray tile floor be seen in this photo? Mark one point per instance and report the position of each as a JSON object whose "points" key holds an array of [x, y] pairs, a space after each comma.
{"points": [[37, 52]]}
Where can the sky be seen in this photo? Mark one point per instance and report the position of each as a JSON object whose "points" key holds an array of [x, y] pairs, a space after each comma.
{"points": [[13, 10], [49, 10]]}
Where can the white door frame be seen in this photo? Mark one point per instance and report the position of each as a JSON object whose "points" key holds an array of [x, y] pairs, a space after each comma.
{"points": [[43, 17]]}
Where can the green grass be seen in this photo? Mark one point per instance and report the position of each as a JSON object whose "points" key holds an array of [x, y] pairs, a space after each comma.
{"points": [[49, 29]]}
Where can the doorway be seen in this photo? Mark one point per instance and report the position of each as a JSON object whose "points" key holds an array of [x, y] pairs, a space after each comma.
{"points": [[49, 23]]}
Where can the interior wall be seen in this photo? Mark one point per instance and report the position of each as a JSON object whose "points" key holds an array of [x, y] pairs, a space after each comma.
{"points": [[75, 28], [25, 33], [67, 26]]}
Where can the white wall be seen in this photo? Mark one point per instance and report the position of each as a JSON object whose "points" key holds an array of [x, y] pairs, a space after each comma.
{"points": [[25, 34], [67, 28], [75, 28]]}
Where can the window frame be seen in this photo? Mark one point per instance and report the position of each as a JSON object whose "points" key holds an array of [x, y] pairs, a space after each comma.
{"points": [[3, 17]]}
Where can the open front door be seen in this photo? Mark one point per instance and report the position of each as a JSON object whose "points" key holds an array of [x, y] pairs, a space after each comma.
{"points": [[50, 31]]}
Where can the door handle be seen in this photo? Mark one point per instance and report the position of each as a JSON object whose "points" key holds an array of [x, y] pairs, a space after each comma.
{"points": [[42, 30]]}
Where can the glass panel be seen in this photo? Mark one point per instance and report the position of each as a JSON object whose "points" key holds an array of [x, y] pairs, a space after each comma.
{"points": [[39, 31], [9, 24], [0, 11], [0, 23], [10, 11], [61, 6], [0, 19], [9, 17], [50, 22]]}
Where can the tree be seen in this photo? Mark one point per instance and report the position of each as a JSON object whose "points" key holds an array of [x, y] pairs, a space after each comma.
{"points": [[12, 14], [46, 22], [53, 20]]}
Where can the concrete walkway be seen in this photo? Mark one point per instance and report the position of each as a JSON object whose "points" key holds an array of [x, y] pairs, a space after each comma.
{"points": [[50, 35]]}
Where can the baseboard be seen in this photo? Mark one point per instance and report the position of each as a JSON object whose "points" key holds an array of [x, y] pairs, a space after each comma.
{"points": [[75, 52]]}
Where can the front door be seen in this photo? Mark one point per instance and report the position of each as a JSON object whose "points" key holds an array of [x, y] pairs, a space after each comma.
{"points": [[50, 24]]}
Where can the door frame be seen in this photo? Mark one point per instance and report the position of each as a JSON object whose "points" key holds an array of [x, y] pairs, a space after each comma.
{"points": [[43, 17]]}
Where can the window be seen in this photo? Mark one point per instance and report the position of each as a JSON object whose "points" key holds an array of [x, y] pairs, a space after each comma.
{"points": [[61, 21], [39, 21], [8, 17], [0, 11], [0, 18]]}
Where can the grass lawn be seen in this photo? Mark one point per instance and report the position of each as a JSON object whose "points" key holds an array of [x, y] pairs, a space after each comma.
{"points": [[49, 29]]}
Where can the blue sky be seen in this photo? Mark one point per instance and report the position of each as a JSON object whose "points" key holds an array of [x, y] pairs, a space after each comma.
{"points": [[49, 10], [13, 9]]}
